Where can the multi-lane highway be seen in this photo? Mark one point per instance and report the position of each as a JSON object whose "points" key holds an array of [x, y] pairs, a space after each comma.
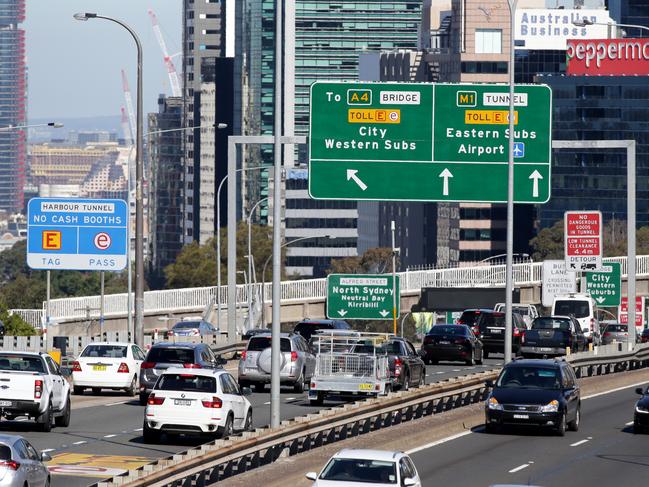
{"points": [[105, 435], [604, 452]]}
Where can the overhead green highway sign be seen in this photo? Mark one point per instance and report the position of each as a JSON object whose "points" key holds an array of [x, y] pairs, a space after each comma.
{"points": [[360, 297], [605, 287], [428, 142]]}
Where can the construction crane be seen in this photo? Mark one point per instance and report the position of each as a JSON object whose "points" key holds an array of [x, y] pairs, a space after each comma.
{"points": [[129, 104], [174, 80], [126, 129]]}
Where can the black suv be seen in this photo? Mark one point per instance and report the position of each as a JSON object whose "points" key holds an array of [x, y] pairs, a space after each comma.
{"points": [[534, 392], [306, 328], [491, 330]]}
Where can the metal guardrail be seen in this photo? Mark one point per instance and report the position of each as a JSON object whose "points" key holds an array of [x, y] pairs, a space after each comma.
{"points": [[190, 299], [222, 459]]}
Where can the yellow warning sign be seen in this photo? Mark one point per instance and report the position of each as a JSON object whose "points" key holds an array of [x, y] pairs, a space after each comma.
{"points": [[374, 115], [83, 465], [494, 117]]}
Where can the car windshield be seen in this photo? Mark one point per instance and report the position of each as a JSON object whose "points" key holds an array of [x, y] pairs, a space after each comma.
{"points": [[259, 343], [617, 328], [308, 329], [491, 319], [529, 378], [469, 317], [447, 330], [186, 383], [523, 310], [579, 309], [104, 351], [187, 324], [171, 355], [551, 324], [21, 363], [357, 470]]}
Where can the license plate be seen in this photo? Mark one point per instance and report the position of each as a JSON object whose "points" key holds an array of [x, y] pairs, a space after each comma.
{"points": [[365, 387], [444, 342], [99, 368], [521, 416], [545, 349], [495, 331], [5, 404], [182, 402]]}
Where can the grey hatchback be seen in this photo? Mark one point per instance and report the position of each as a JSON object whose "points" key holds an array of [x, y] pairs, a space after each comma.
{"points": [[163, 356], [297, 362], [21, 464]]}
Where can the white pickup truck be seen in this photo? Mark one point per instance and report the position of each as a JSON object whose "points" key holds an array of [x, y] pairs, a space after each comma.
{"points": [[32, 385], [527, 311]]}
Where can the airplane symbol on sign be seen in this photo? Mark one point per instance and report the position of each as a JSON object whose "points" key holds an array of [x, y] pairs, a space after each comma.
{"points": [[519, 149]]}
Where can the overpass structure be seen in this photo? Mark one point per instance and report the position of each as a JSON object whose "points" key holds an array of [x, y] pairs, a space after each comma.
{"points": [[300, 299]]}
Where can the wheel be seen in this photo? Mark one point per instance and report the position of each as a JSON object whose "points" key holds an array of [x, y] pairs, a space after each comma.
{"points": [[64, 419], [406, 382], [561, 427], [471, 362], [150, 435], [227, 429], [318, 400], [433, 361], [143, 398], [574, 424], [132, 389], [491, 428], [480, 361], [387, 390], [247, 426], [45, 419], [485, 353], [637, 429], [96, 391], [78, 390], [299, 384], [260, 387]]}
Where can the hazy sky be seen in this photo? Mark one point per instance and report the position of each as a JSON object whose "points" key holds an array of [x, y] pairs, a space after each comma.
{"points": [[74, 67]]}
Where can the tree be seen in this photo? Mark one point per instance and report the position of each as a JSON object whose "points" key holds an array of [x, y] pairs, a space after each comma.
{"points": [[15, 325], [374, 261], [548, 243]]}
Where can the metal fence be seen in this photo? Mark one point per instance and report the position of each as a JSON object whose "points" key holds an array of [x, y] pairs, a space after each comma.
{"points": [[192, 299]]}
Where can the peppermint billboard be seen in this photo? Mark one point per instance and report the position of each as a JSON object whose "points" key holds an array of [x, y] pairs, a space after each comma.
{"points": [[608, 57]]}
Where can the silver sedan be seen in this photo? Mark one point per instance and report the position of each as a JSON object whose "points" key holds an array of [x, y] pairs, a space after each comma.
{"points": [[21, 464]]}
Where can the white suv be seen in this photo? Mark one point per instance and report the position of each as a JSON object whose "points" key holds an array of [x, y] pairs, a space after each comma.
{"points": [[196, 401], [583, 308]]}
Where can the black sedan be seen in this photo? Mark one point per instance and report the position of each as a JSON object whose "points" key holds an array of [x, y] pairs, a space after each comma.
{"points": [[451, 342], [534, 392], [641, 416], [407, 369]]}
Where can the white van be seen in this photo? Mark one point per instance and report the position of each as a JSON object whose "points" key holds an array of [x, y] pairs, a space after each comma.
{"points": [[583, 308]]}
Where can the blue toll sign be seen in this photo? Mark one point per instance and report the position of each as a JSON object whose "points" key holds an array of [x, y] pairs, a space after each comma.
{"points": [[77, 234]]}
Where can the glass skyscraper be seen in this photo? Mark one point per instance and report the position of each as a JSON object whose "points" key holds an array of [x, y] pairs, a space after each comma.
{"points": [[13, 101]]}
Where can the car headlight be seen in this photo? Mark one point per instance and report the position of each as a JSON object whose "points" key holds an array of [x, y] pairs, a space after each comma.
{"points": [[551, 407], [493, 404], [641, 409]]}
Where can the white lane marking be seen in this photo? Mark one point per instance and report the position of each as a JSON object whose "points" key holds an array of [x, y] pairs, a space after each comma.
{"points": [[267, 402], [138, 429], [110, 436], [629, 423], [47, 450], [79, 442], [440, 372], [438, 442], [464, 433], [581, 442], [519, 468], [21, 419], [115, 403], [457, 370], [290, 398]]}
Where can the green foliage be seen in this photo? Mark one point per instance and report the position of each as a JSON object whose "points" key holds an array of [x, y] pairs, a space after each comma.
{"points": [[373, 261], [15, 325], [548, 243]]}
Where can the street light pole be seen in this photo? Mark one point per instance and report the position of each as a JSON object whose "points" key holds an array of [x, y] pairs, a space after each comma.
{"points": [[250, 303], [394, 279], [584, 22], [139, 177], [9, 128]]}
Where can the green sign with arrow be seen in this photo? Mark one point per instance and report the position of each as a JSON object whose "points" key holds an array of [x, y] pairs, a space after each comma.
{"points": [[360, 297], [428, 142], [605, 287]]}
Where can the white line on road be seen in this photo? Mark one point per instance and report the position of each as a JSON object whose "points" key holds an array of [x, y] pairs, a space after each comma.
{"points": [[115, 403], [438, 442], [615, 390], [457, 370], [110, 436], [47, 450], [138, 429], [440, 372], [267, 402], [290, 399], [577, 443], [79, 442], [629, 423], [519, 468]]}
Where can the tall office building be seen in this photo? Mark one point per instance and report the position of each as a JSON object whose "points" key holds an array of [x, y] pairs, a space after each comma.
{"points": [[634, 12], [13, 101]]}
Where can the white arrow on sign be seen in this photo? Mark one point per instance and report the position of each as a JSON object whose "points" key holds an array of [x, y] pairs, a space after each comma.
{"points": [[535, 187], [342, 312], [384, 313], [600, 300], [351, 174], [445, 174]]}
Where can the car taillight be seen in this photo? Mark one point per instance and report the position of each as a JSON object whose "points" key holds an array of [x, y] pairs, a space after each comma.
{"points": [[155, 401], [397, 366], [12, 464], [123, 368], [215, 403], [523, 337], [195, 332], [607, 333], [517, 332], [293, 356], [592, 324], [76, 366], [243, 355], [170, 333], [38, 388], [192, 366], [147, 365]]}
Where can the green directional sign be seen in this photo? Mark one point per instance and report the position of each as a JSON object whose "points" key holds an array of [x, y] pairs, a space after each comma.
{"points": [[360, 297], [428, 142], [606, 286]]}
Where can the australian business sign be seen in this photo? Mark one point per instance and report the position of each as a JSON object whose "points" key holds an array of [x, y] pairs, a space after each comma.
{"points": [[77, 234], [608, 57], [551, 28]]}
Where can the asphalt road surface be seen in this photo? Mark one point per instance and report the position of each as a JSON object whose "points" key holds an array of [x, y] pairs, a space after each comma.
{"points": [[105, 434], [604, 452]]}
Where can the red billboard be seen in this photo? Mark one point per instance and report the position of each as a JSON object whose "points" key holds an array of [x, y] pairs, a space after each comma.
{"points": [[583, 240], [608, 57]]}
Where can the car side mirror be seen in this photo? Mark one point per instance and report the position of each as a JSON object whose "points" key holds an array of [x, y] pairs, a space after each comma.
{"points": [[409, 482], [312, 476], [45, 457], [639, 390], [489, 384], [66, 371], [246, 391]]}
